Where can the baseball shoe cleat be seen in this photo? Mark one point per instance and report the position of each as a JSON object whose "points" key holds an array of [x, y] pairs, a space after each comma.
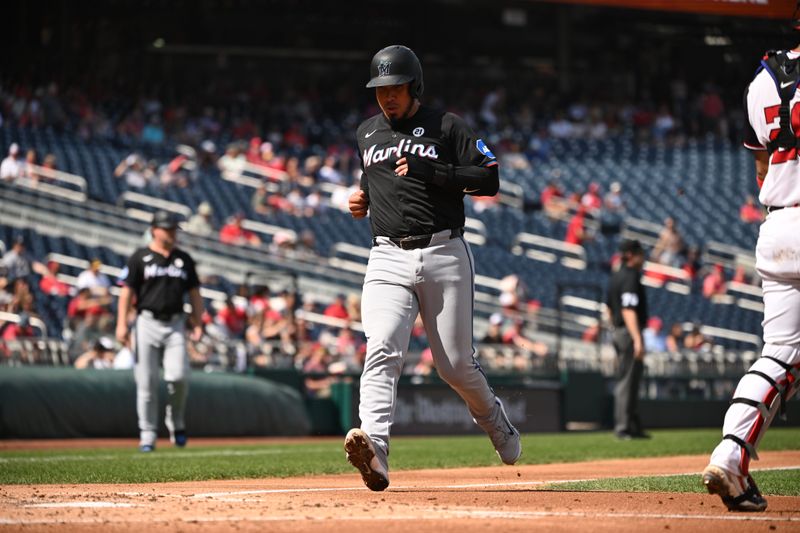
{"points": [[738, 493], [179, 438], [361, 454], [504, 436], [147, 448]]}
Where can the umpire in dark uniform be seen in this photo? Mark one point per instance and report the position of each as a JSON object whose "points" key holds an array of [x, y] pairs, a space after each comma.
{"points": [[627, 305], [155, 280]]}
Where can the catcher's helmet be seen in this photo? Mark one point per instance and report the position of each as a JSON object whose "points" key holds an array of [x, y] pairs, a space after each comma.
{"points": [[395, 65]]}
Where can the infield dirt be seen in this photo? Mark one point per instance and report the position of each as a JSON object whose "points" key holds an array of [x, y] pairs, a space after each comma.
{"points": [[506, 499]]}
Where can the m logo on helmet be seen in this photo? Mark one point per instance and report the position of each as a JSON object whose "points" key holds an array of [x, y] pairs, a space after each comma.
{"points": [[383, 68]]}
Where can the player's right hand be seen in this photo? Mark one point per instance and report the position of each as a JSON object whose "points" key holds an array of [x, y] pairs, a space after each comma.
{"points": [[122, 333], [359, 204]]}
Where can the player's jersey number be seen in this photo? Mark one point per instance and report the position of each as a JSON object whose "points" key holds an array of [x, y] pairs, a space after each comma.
{"points": [[771, 114]]}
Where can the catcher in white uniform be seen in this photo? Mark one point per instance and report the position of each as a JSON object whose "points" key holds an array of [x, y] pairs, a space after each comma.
{"points": [[773, 135]]}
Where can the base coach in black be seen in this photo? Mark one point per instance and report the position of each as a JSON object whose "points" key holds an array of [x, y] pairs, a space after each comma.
{"points": [[627, 305], [418, 164], [156, 280]]}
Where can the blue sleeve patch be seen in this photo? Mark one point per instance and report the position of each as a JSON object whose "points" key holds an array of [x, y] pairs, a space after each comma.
{"points": [[482, 148], [123, 275]]}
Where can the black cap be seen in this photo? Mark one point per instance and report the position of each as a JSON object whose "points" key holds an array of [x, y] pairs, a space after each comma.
{"points": [[631, 246], [164, 220]]}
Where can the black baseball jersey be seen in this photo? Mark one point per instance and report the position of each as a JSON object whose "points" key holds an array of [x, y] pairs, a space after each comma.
{"points": [[403, 205], [625, 291], [159, 282]]}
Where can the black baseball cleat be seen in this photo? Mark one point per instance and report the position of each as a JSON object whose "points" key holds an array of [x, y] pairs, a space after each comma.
{"points": [[362, 455], [179, 438], [738, 493]]}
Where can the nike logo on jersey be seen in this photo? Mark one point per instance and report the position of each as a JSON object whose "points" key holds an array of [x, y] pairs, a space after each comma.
{"points": [[786, 84], [468, 191], [368, 135], [147, 258]]}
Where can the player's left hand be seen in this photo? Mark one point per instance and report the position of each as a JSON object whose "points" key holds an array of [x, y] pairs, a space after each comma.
{"points": [[402, 167], [197, 333]]}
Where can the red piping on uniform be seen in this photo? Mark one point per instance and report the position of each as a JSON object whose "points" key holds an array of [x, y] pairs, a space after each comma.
{"points": [[744, 462]]}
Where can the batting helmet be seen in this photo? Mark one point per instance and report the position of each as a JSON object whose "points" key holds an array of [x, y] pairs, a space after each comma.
{"points": [[396, 65]]}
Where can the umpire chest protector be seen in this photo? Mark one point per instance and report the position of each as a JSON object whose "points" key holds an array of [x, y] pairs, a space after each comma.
{"points": [[785, 72]]}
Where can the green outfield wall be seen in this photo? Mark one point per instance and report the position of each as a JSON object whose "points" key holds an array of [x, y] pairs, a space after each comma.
{"points": [[46, 402]]}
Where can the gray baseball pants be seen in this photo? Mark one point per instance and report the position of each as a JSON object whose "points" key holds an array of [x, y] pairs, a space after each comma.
{"points": [[438, 283], [153, 340], [626, 391]]}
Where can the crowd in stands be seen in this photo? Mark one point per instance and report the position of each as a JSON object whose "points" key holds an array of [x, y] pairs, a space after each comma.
{"points": [[299, 145]]}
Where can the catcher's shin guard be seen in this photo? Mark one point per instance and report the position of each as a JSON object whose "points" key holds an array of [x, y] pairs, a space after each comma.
{"points": [[761, 394]]}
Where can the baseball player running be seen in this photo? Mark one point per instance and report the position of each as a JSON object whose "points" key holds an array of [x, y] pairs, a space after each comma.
{"points": [[418, 164], [771, 99], [156, 279]]}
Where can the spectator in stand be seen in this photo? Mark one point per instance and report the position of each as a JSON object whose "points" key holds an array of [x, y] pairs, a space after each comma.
{"points": [[576, 229], [553, 201], [654, 339], [318, 386], [49, 162], [669, 245], [514, 335], [93, 279], [270, 159], [306, 244], [695, 340], [692, 264], [253, 154], [513, 293], [234, 233], [337, 308], [664, 124], [260, 201], [28, 167], [101, 356], [86, 308], [232, 319], [425, 365], [714, 282], [51, 285], [232, 163], [750, 212], [200, 222], [11, 168], [494, 333], [613, 201], [19, 297], [132, 169], [591, 200], [328, 172], [353, 307], [19, 330], [674, 339], [18, 262]]}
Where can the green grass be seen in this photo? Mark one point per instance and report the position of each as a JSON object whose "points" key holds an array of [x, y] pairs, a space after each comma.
{"points": [[781, 482], [327, 457]]}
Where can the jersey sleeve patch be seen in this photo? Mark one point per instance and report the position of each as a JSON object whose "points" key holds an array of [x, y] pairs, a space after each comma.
{"points": [[482, 148], [630, 299]]}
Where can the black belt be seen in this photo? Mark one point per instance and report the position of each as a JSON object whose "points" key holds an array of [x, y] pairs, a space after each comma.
{"points": [[164, 317], [415, 242]]}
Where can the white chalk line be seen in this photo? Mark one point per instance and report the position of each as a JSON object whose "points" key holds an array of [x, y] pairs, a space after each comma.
{"points": [[88, 505], [431, 514], [156, 455], [446, 487]]}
